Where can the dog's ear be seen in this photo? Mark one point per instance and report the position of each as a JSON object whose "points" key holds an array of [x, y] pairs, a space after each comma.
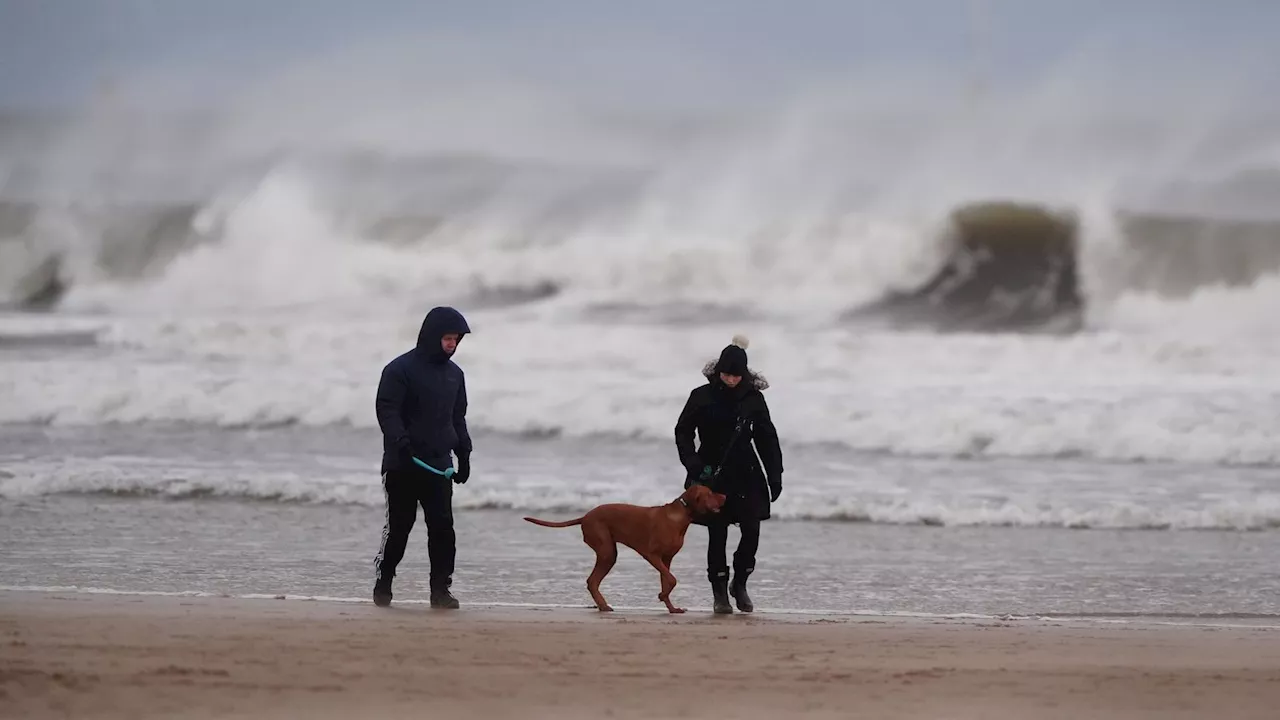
{"points": [[717, 500]]}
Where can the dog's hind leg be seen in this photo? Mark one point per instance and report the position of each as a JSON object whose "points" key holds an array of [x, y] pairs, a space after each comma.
{"points": [[599, 539]]}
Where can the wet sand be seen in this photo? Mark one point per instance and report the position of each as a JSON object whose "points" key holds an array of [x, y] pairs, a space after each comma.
{"points": [[118, 656]]}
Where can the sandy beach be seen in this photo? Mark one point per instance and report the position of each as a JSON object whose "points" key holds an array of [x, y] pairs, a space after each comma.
{"points": [[118, 656]]}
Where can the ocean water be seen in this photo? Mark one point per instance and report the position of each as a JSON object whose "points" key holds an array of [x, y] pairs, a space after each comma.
{"points": [[173, 511], [295, 511], [211, 429], [195, 315]]}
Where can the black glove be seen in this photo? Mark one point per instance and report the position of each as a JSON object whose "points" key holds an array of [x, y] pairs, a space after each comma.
{"points": [[464, 468], [775, 488]]}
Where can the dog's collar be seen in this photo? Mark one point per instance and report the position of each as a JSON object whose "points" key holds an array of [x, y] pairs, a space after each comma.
{"points": [[684, 502]]}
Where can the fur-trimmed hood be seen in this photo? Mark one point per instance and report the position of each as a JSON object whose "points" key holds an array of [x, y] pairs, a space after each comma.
{"points": [[758, 381]]}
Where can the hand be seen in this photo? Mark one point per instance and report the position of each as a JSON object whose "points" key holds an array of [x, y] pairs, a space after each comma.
{"points": [[775, 488], [464, 469], [404, 450]]}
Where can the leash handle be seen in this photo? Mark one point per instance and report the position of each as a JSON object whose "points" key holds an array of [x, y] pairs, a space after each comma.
{"points": [[447, 474]]}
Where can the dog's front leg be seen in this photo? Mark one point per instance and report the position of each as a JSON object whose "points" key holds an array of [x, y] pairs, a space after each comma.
{"points": [[668, 581]]}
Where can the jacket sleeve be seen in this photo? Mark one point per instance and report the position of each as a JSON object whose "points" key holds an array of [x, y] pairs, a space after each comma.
{"points": [[390, 399], [460, 418], [686, 425], [766, 439]]}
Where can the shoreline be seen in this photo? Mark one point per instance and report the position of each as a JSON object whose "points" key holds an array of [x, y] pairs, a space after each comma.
{"points": [[1225, 620], [116, 655]]}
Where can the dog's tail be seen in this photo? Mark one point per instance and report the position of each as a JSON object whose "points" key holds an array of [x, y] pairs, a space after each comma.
{"points": [[548, 523]]}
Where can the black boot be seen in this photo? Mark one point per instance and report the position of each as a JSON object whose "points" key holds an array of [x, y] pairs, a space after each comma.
{"points": [[441, 597], [720, 591], [382, 592], [739, 590]]}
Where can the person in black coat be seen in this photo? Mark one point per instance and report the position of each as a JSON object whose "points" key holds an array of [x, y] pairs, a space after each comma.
{"points": [[729, 415], [422, 411]]}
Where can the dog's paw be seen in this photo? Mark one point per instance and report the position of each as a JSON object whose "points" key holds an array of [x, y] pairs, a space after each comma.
{"points": [[676, 610], [604, 608]]}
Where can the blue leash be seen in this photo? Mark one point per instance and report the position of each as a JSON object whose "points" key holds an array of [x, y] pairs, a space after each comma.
{"points": [[447, 474]]}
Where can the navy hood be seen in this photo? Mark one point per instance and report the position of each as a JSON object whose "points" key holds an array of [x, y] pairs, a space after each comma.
{"points": [[440, 322]]}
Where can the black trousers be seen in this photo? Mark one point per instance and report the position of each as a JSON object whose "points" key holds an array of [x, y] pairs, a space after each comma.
{"points": [[405, 491], [744, 558]]}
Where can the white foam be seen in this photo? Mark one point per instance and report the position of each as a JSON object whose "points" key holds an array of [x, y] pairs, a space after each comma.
{"points": [[281, 248], [1105, 396], [1209, 312], [874, 492], [277, 249]]}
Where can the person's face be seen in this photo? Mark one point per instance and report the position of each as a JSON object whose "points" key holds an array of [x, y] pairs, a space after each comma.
{"points": [[730, 380], [449, 343]]}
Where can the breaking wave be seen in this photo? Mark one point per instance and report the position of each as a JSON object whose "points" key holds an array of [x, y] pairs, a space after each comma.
{"points": [[982, 266], [728, 229]]}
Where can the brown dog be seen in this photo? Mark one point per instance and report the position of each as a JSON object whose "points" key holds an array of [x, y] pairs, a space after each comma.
{"points": [[655, 532]]}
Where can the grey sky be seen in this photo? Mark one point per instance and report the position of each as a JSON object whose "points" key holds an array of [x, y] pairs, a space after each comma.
{"points": [[53, 52]]}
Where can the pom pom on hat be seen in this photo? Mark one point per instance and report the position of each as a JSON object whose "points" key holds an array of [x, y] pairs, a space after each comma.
{"points": [[741, 341]]}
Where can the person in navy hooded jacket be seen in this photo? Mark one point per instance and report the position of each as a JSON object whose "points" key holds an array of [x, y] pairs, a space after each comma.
{"points": [[422, 411]]}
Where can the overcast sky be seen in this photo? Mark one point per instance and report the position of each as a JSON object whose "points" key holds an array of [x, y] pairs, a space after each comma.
{"points": [[54, 52]]}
